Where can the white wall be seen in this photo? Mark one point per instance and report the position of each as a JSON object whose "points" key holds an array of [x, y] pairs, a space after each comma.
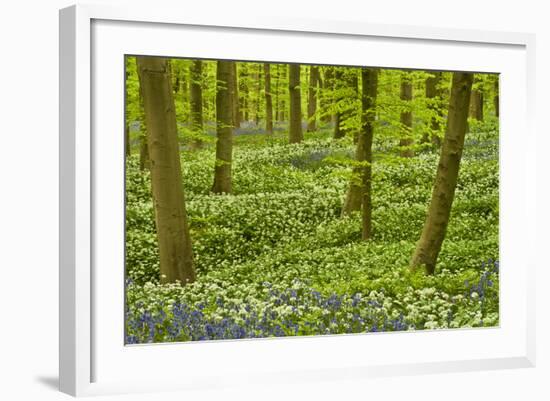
{"points": [[28, 195]]}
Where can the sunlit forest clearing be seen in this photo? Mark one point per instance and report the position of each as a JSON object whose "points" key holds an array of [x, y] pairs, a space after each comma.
{"points": [[269, 199]]}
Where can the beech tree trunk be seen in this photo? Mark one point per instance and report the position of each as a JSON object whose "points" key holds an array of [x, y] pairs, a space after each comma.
{"points": [[175, 251], [406, 117], [359, 192], [144, 163], [295, 131], [243, 87], [224, 128], [435, 227], [268, 102], [257, 109], [235, 101], [368, 105], [433, 94], [338, 85], [196, 102], [476, 105], [326, 97], [127, 150], [312, 98], [277, 79], [496, 99], [282, 108]]}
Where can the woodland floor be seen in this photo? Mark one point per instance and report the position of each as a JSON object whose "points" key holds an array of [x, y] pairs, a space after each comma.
{"points": [[276, 258]]}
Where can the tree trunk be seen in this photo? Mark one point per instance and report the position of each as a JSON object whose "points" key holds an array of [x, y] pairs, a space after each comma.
{"points": [[235, 101], [183, 85], [176, 255], [268, 102], [433, 94], [368, 103], [338, 84], [327, 95], [196, 103], [282, 108], [224, 128], [476, 105], [496, 99], [359, 192], [312, 98], [257, 109], [433, 233], [243, 86], [406, 117], [144, 163], [277, 79], [127, 150], [295, 131]]}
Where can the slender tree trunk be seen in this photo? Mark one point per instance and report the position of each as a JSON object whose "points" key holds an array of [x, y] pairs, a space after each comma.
{"points": [[196, 103], [127, 150], [433, 233], [359, 192], [496, 99], [354, 84], [277, 79], [282, 109], [295, 131], [224, 128], [257, 109], [327, 95], [176, 255], [183, 85], [476, 105], [244, 97], [268, 102], [433, 94], [235, 101], [175, 78], [312, 98], [368, 105], [406, 118], [338, 84], [144, 163]]}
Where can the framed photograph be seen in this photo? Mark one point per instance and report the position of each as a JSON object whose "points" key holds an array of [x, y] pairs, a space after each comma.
{"points": [[284, 200]]}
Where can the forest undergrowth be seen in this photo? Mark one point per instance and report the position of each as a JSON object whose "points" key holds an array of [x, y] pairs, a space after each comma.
{"points": [[276, 258]]}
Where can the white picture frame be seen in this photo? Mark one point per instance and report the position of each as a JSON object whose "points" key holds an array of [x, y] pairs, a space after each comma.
{"points": [[93, 358]]}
